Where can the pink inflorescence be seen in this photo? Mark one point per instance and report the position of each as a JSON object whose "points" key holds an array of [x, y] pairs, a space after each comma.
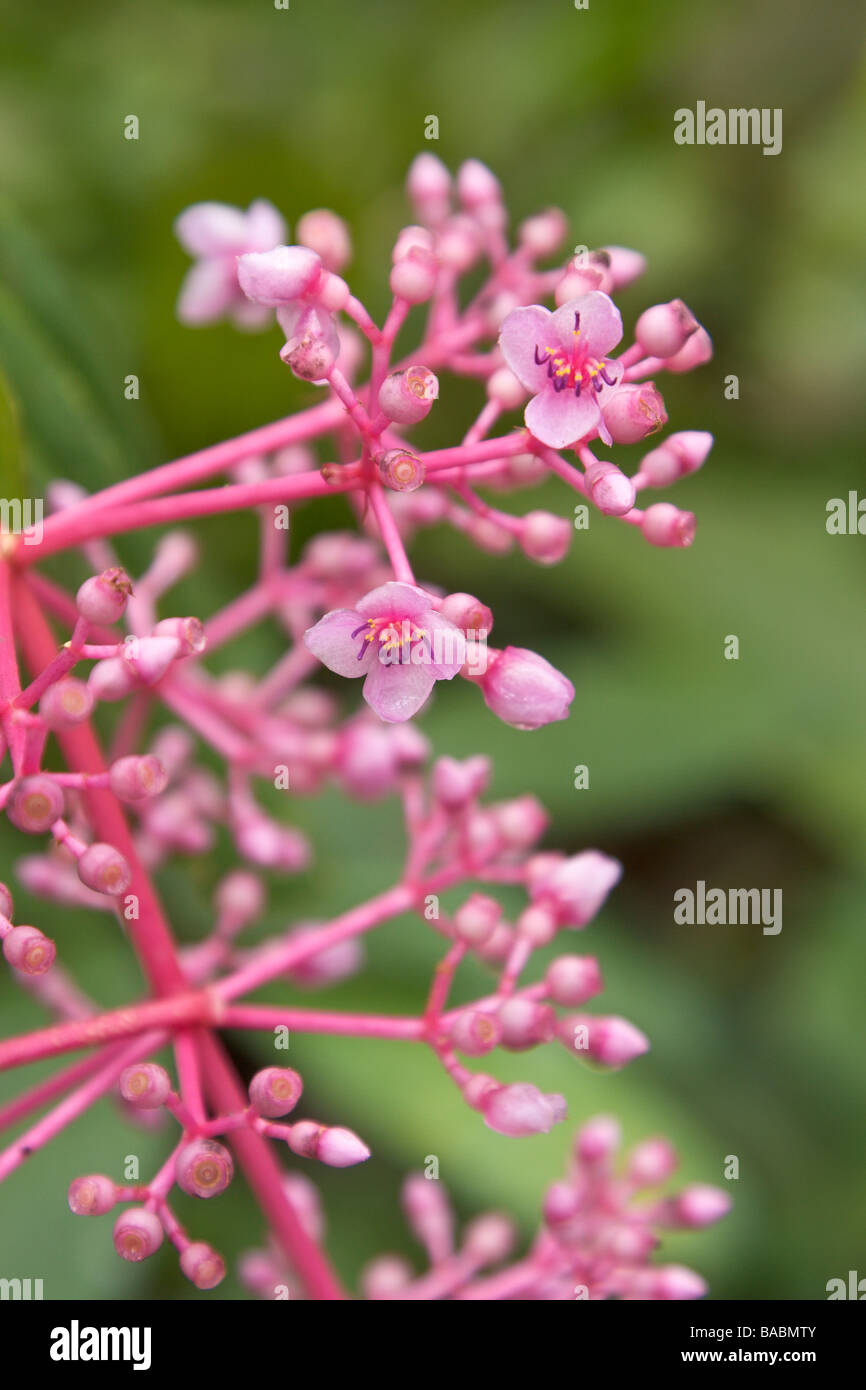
{"points": [[349, 601]]}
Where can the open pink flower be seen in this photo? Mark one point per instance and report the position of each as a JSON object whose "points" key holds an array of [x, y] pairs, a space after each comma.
{"points": [[562, 359], [394, 638], [216, 234]]}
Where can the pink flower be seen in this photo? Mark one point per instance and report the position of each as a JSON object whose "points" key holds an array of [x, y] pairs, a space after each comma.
{"points": [[397, 641], [216, 234], [562, 359]]}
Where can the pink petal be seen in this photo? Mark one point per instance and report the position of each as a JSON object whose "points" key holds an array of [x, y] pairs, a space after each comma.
{"points": [[278, 276], [265, 227], [396, 692], [600, 323], [523, 331], [559, 418], [208, 290], [395, 600], [332, 642], [448, 645], [299, 319], [212, 229]]}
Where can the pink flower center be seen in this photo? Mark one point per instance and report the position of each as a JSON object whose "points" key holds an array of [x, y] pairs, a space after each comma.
{"points": [[575, 369], [395, 637]]}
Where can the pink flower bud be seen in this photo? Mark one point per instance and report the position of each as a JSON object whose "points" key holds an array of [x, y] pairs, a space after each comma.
{"points": [[429, 1214], [146, 1085], [681, 453], [663, 329], [104, 869], [598, 1140], [7, 906], [474, 1033], [652, 1162], [408, 395], [103, 599], [275, 1091], [400, 470], [489, 535], [521, 1109], [459, 244], [697, 1206], [414, 277], [611, 1041], [633, 411], [697, 350], [457, 783], [524, 690], [572, 980], [138, 1233], [337, 1147], [521, 821], [409, 237], [66, 703], [561, 1203], [384, 1277], [489, 1239], [134, 777], [91, 1196], [611, 491], [203, 1168], [312, 344], [148, 658], [326, 234], [671, 1282], [110, 680], [476, 920], [240, 898], [328, 965], [468, 613], [664, 524], [525, 1024], [580, 280], [35, 804], [27, 950], [189, 632], [504, 388], [264, 842], [202, 1265], [624, 265], [544, 233], [537, 925], [578, 886], [545, 537], [428, 185], [279, 276], [477, 187]]}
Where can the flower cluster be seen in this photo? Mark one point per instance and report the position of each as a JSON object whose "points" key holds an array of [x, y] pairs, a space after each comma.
{"points": [[351, 602]]}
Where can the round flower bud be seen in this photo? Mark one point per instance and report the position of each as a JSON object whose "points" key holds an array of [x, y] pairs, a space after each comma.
{"points": [[544, 233], [477, 187], [27, 950], [521, 1109], [145, 1085], [525, 1024], [275, 1091], [134, 777], [459, 243], [279, 276], [326, 234], [148, 658], [104, 869], [202, 1265], [598, 1140], [545, 537], [681, 453], [66, 703], [651, 1163], [489, 1239], [408, 395], [633, 411], [664, 524], [524, 690], [697, 350], [189, 633], [663, 329], [409, 237], [468, 613], [91, 1196], [203, 1168], [138, 1233], [110, 680], [400, 470], [35, 804], [474, 1033], [572, 980], [414, 277], [7, 906], [428, 185], [611, 491], [103, 598], [504, 388]]}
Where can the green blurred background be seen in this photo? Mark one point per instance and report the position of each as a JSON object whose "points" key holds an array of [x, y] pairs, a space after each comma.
{"points": [[741, 773]]}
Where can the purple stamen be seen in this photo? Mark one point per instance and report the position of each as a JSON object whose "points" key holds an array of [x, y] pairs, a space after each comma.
{"points": [[539, 361]]}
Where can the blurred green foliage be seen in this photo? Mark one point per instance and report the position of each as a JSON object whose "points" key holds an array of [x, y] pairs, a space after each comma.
{"points": [[739, 773]]}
